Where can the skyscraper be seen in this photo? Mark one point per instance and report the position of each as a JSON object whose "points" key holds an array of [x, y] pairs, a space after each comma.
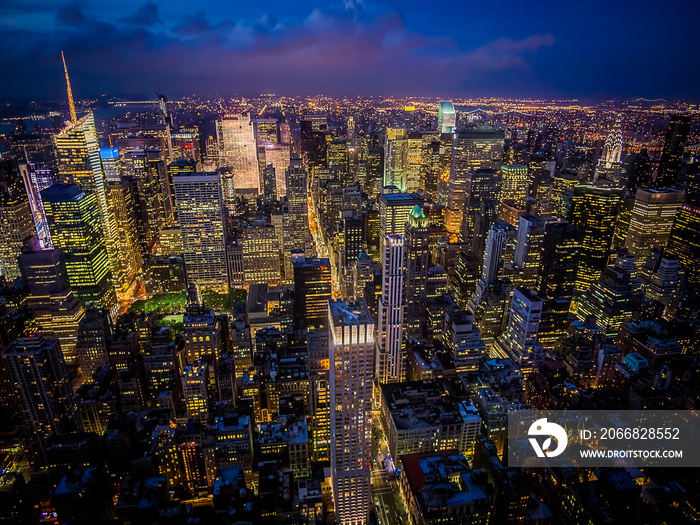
{"points": [[651, 221], [351, 352], [391, 348], [396, 158], [194, 391], [237, 149], [312, 287], [73, 217], [670, 163], [609, 164], [38, 373], [482, 195], [393, 211], [16, 222], [201, 209], [514, 184], [417, 255], [519, 341], [297, 198], [91, 345], [594, 210], [447, 117], [528, 250], [684, 241]]}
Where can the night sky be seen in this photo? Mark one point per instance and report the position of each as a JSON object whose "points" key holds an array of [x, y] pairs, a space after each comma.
{"points": [[595, 49]]}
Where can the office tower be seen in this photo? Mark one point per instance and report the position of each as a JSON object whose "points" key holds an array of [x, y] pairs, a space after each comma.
{"points": [[171, 241], [312, 289], [415, 144], [176, 168], [609, 298], [519, 341], [91, 344], [471, 150], [194, 391], [391, 348], [609, 164], [528, 250], [351, 352], [201, 211], [185, 144], [265, 135], [269, 181], [279, 156], [663, 280], [338, 156], [237, 149], [353, 240], [56, 310], [373, 157], [261, 254], [561, 246], [463, 341], [515, 183], [352, 132], [122, 200], [203, 336], [417, 254], [74, 222], [149, 169], [298, 204], [112, 163], [396, 158], [280, 222], [393, 212], [447, 117], [39, 376], [430, 168], [670, 163], [313, 145], [651, 221], [16, 222], [684, 241], [499, 237], [35, 180], [639, 172], [78, 162], [594, 210], [482, 195]]}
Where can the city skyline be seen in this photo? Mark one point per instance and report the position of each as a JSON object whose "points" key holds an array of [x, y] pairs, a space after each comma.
{"points": [[407, 49]]}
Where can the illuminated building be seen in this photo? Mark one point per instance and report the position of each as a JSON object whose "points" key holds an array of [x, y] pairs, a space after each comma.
{"points": [[415, 144], [269, 179], [609, 164], [651, 221], [171, 241], [373, 157], [265, 130], [313, 144], [176, 168], [57, 311], [164, 274], [16, 222], [312, 287], [279, 156], [237, 149], [36, 367], [78, 162], [185, 144], [482, 195], [663, 280], [515, 183], [441, 488], [463, 340], [91, 345], [394, 208], [112, 163], [609, 298], [201, 215], [417, 256], [297, 201], [471, 150], [519, 341], [36, 180], [494, 267], [286, 439], [74, 221], [160, 362], [353, 240], [129, 263], [155, 192], [528, 250], [202, 334], [320, 397], [396, 158], [684, 241], [447, 117], [280, 222], [194, 391], [261, 254], [337, 156], [351, 353], [391, 349], [594, 210], [670, 164], [426, 416]]}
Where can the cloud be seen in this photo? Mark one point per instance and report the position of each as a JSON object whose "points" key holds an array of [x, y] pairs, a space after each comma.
{"points": [[146, 15], [70, 14], [330, 50]]}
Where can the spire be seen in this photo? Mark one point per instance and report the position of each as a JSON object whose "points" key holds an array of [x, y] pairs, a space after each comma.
{"points": [[71, 102]]}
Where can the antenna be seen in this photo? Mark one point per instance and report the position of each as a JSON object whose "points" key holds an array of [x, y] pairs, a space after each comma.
{"points": [[71, 102]]}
